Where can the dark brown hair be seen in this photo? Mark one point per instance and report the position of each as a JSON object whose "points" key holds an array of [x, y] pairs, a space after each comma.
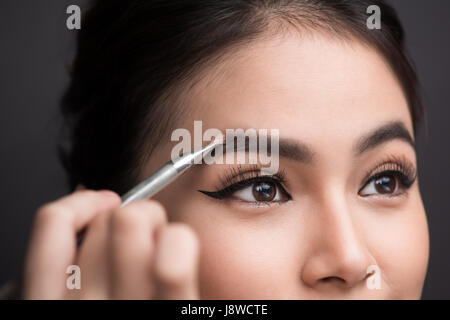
{"points": [[134, 56]]}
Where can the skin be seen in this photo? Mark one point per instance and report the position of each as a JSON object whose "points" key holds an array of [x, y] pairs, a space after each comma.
{"points": [[326, 93]]}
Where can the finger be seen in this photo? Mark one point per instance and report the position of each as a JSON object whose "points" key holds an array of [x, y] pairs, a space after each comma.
{"points": [[133, 230], [175, 268], [94, 260], [52, 245]]}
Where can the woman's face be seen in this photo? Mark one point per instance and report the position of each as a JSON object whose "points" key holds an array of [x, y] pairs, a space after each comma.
{"points": [[348, 202]]}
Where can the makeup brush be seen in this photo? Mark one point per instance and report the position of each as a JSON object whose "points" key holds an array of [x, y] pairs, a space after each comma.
{"points": [[166, 174]]}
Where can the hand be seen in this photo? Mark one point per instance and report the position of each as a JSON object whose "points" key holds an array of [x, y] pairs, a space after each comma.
{"points": [[127, 253]]}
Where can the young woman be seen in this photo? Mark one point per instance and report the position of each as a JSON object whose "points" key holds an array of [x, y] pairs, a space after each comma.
{"points": [[343, 209]]}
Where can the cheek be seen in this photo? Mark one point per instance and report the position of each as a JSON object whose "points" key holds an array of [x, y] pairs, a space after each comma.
{"points": [[240, 258], [402, 254], [243, 263]]}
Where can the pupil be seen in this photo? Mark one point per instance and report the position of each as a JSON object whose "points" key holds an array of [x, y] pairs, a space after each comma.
{"points": [[264, 191], [385, 184]]}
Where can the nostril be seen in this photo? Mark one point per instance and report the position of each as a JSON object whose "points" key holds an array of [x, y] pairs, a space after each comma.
{"points": [[333, 279]]}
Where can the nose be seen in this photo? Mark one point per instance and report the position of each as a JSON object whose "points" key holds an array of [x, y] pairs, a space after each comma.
{"points": [[337, 255]]}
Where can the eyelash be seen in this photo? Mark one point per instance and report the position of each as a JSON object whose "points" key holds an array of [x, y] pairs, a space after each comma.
{"points": [[399, 167], [237, 179]]}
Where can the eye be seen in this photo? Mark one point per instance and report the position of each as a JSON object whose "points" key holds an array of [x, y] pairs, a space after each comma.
{"points": [[254, 190], [262, 191], [388, 183]]}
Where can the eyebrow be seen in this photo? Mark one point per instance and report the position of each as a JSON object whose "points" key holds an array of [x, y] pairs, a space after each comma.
{"points": [[288, 148], [301, 152], [390, 131]]}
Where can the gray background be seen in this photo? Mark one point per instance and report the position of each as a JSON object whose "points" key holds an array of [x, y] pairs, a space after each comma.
{"points": [[36, 51]]}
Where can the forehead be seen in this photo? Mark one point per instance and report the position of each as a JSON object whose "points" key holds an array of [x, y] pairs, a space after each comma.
{"points": [[309, 86]]}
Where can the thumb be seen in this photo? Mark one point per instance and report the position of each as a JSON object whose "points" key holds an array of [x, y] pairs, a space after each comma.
{"points": [[175, 266]]}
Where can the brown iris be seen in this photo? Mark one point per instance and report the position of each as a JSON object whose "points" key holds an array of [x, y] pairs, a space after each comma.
{"points": [[386, 184], [264, 191]]}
